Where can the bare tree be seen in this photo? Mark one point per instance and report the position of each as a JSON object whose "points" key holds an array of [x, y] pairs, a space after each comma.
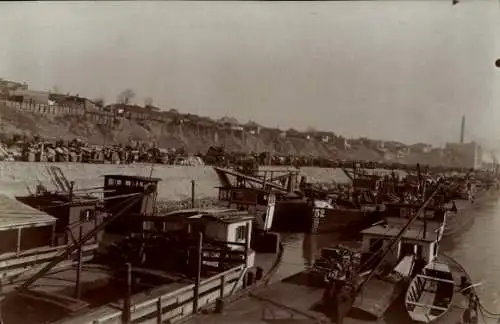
{"points": [[148, 101], [126, 96], [311, 129], [99, 101]]}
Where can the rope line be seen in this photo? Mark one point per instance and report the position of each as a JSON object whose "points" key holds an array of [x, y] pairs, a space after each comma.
{"points": [[485, 313]]}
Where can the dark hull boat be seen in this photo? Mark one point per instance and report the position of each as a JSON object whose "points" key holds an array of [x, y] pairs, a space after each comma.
{"points": [[337, 219]]}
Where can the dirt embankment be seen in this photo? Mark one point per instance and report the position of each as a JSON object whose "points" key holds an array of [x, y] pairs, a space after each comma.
{"points": [[168, 136]]}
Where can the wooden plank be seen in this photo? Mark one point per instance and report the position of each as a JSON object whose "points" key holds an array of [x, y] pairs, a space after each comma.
{"points": [[436, 279], [426, 306], [39, 257], [73, 305]]}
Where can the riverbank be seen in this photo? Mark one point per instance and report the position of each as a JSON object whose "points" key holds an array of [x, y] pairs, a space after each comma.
{"points": [[16, 177]]}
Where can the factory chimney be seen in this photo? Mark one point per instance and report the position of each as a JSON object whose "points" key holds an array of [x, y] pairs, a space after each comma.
{"points": [[462, 130]]}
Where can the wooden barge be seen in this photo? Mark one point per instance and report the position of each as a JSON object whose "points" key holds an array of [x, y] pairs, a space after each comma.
{"points": [[149, 266]]}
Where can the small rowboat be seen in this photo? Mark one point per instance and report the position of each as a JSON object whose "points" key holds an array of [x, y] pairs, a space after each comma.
{"points": [[430, 293]]}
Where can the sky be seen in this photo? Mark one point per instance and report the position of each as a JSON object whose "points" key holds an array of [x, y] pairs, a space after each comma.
{"points": [[390, 70]]}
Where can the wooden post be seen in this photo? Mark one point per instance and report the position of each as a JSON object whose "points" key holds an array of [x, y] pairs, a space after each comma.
{"points": [[79, 268], [159, 311], [247, 243], [53, 236], [18, 245], [72, 184], [198, 273], [126, 319], [192, 193], [222, 285]]}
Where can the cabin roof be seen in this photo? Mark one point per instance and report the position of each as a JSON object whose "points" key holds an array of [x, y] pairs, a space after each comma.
{"points": [[50, 199], [412, 233], [223, 215], [246, 189], [131, 177], [14, 214], [443, 267]]}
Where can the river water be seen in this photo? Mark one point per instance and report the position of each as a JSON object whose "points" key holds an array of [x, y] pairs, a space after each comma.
{"points": [[475, 247]]}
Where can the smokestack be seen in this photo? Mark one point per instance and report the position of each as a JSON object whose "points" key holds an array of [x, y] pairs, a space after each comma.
{"points": [[462, 130]]}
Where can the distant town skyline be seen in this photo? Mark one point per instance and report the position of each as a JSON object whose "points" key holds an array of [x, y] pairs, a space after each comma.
{"points": [[404, 71]]}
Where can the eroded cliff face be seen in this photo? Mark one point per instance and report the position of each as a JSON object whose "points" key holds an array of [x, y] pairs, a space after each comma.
{"points": [[193, 138]]}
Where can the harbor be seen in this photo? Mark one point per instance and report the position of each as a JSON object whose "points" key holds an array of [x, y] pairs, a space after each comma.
{"points": [[215, 258], [254, 162]]}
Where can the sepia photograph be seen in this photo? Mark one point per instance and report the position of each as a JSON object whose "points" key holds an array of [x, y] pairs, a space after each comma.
{"points": [[250, 162]]}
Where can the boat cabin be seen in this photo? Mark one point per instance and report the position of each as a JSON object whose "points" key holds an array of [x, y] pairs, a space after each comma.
{"points": [[367, 183], [26, 236], [119, 190], [72, 212], [220, 224], [418, 241], [433, 218], [260, 202], [229, 226], [23, 228]]}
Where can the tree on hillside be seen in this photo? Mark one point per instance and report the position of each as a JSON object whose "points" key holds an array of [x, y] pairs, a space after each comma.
{"points": [[148, 101], [99, 101], [126, 96]]}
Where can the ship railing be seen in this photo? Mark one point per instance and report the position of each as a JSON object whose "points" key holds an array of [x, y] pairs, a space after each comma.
{"points": [[174, 305]]}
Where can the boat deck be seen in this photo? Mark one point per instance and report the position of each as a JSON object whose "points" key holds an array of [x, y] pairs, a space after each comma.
{"points": [[292, 300]]}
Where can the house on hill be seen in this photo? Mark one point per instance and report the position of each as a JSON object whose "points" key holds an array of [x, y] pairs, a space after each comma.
{"points": [[29, 96], [271, 133], [70, 104], [325, 137], [252, 128], [230, 123], [420, 148], [134, 112], [293, 133], [6, 86]]}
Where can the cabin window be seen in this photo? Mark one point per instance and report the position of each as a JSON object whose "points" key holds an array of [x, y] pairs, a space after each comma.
{"points": [[86, 215], [419, 251], [128, 183], [241, 233], [407, 249], [262, 200], [376, 244], [118, 182], [223, 195]]}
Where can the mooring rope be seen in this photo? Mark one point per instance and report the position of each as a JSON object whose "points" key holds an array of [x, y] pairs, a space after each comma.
{"points": [[483, 310]]}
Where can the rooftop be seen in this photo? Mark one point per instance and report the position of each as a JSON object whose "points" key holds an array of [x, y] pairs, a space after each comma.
{"points": [[14, 214], [412, 233]]}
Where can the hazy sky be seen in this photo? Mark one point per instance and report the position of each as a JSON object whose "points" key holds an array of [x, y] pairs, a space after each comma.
{"points": [[403, 70]]}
